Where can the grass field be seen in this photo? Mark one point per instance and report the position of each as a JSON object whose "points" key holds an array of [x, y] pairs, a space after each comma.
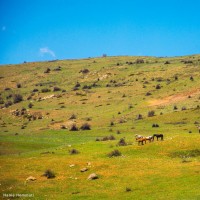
{"points": [[109, 96]]}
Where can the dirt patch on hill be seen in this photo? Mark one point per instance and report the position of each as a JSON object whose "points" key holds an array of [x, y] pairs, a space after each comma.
{"points": [[174, 98]]}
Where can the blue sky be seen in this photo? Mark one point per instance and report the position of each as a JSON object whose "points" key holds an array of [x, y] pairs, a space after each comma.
{"points": [[37, 30]]}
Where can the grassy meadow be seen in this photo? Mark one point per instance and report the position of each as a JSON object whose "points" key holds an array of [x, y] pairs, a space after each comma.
{"points": [[41, 101]]}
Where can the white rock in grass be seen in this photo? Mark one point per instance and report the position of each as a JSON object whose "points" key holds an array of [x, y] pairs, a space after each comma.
{"points": [[92, 176], [31, 178], [84, 169]]}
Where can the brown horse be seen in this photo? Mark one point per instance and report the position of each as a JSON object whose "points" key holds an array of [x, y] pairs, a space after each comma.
{"points": [[141, 141], [158, 136]]}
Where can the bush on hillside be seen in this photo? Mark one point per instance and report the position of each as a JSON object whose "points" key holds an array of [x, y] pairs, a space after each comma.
{"points": [[139, 116], [139, 61], [19, 85], [8, 103], [44, 90], [30, 105], [73, 128], [167, 62], [47, 70], [73, 116], [158, 87], [73, 151], [17, 98], [114, 153], [55, 89], [49, 174], [151, 113], [85, 126], [122, 142], [35, 90]]}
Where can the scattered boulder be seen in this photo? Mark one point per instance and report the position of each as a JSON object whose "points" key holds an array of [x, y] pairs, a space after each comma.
{"points": [[92, 176], [84, 169], [31, 178]]}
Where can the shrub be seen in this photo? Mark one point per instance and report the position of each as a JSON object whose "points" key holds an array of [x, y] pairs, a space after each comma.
{"points": [[47, 70], [155, 125], [128, 189], [44, 90], [73, 151], [19, 85], [105, 138], [35, 90], [30, 105], [158, 87], [130, 106], [73, 128], [63, 127], [73, 116], [176, 78], [167, 62], [1, 101], [118, 132], [148, 94], [8, 103], [139, 61], [183, 108], [87, 87], [6, 89], [9, 96], [111, 137], [49, 174], [187, 61], [55, 89], [85, 126], [114, 153], [122, 142], [191, 78], [112, 123], [175, 107], [29, 97], [151, 113], [17, 98], [139, 116], [85, 71], [77, 85]]}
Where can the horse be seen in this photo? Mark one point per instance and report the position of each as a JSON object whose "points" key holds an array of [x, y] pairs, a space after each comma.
{"points": [[138, 137], [158, 136], [150, 138], [141, 140]]}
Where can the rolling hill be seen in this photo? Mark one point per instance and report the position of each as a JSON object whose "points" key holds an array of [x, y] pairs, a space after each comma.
{"points": [[51, 109]]}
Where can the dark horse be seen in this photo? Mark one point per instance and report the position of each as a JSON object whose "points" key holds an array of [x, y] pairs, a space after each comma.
{"points": [[158, 136]]}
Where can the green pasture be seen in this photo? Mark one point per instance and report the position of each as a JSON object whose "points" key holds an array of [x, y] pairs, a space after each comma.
{"points": [[117, 94]]}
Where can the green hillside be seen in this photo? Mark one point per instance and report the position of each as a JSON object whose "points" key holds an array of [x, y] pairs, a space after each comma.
{"points": [[41, 103]]}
